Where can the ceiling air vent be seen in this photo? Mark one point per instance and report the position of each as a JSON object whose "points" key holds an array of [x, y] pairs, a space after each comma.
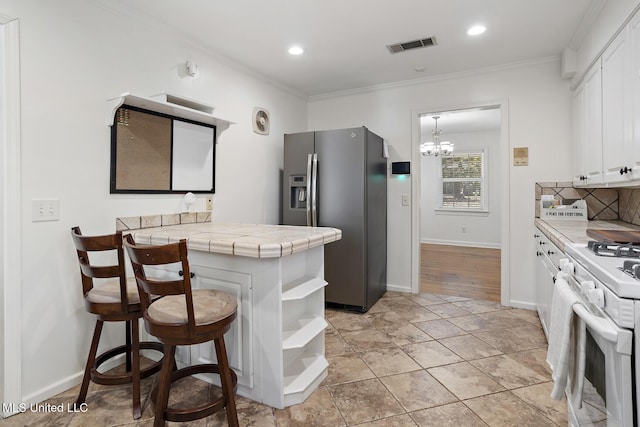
{"points": [[414, 44]]}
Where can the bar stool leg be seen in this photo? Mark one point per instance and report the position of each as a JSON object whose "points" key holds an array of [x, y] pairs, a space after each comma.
{"points": [[226, 382], [128, 326], [135, 355], [164, 385], [82, 396]]}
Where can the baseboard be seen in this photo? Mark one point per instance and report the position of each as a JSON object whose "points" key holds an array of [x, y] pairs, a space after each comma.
{"points": [[68, 382], [53, 389], [398, 288], [462, 243], [522, 304]]}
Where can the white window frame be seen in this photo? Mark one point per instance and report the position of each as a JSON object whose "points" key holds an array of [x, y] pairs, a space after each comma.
{"points": [[484, 185]]}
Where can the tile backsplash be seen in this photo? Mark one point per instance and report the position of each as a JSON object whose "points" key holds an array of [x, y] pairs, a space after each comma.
{"points": [[602, 203], [137, 222], [629, 200]]}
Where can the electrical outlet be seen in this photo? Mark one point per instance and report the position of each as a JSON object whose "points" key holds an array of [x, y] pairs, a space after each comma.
{"points": [[45, 210], [209, 203]]}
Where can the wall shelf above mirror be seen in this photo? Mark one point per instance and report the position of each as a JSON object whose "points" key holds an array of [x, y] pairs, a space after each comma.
{"points": [[163, 147], [171, 105]]}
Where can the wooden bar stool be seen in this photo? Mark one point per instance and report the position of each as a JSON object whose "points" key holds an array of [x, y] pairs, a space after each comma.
{"points": [[113, 298], [184, 317]]}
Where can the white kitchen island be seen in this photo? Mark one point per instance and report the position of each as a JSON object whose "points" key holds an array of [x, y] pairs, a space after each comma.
{"points": [[276, 344]]}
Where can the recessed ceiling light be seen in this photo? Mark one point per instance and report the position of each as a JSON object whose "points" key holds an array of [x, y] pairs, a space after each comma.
{"points": [[296, 50], [476, 30]]}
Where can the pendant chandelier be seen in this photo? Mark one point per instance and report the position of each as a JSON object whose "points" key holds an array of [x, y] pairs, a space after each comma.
{"points": [[436, 147]]}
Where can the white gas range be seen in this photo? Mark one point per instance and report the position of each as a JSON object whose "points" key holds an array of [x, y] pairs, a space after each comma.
{"points": [[606, 277]]}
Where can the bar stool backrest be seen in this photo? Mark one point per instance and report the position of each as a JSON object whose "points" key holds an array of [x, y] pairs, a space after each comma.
{"points": [[90, 271], [143, 256]]}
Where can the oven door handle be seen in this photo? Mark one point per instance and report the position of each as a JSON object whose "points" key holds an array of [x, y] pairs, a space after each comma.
{"points": [[601, 328]]}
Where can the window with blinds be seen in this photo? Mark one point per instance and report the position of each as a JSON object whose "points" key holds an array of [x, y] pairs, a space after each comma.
{"points": [[463, 184]]}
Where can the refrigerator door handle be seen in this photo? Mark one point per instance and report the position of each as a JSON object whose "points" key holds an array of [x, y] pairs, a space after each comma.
{"points": [[309, 188], [314, 184]]}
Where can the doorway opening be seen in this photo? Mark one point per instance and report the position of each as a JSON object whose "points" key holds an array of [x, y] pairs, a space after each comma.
{"points": [[460, 232]]}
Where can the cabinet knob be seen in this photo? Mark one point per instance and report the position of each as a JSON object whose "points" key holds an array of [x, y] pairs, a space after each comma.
{"points": [[625, 170]]}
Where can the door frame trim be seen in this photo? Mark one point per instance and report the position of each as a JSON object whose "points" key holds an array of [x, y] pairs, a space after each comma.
{"points": [[505, 235], [11, 286]]}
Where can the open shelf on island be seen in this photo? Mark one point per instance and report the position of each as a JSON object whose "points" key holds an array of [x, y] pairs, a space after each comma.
{"points": [[307, 330], [309, 370], [301, 288]]}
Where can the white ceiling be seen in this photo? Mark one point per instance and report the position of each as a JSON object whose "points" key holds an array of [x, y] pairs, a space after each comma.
{"points": [[345, 40]]}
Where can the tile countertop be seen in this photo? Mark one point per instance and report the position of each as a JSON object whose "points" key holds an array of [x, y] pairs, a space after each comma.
{"points": [[562, 232], [249, 240]]}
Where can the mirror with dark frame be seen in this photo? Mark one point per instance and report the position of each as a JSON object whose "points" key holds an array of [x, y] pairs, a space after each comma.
{"points": [[157, 153]]}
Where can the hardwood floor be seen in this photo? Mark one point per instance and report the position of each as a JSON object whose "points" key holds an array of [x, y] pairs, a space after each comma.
{"points": [[460, 271]]}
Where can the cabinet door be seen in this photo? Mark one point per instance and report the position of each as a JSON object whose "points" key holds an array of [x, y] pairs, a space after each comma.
{"points": [[616, 111], [592, 123], [238, 339], [579, 149], [634, 91]]}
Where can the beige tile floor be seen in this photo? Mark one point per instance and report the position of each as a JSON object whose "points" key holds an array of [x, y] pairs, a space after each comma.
{"points": [[412, 360]]}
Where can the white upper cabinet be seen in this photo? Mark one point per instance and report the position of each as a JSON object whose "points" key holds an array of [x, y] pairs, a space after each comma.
{"points": [[634, 91], [593, 125], [579, 149], [616, 110], [587, 110], [606, 115]]}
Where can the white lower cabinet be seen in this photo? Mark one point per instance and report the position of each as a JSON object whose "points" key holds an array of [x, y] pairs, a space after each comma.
{"points": [[547, 265], [238, 339], [276, 344]]}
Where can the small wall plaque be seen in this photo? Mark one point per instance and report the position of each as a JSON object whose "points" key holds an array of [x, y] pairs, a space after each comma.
{"points": [[521, 156]]}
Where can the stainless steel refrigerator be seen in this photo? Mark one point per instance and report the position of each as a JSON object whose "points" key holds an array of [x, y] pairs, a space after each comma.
{"points": [[338, 178]]}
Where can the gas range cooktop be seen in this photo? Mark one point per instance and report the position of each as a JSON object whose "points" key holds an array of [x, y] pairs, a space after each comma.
{"points": [[609, 268], [631, 267], [617, 250]]}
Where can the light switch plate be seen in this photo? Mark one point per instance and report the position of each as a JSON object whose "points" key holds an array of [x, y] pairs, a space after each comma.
{"points": [[45, 210]]}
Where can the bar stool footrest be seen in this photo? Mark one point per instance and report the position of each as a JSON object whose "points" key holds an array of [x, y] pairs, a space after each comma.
{"points": [[197, 412], [116, 379]]}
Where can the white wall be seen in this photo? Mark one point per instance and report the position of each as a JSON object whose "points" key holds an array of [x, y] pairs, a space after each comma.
{"points": [[481, 229], [76, 55], [539, 118]]}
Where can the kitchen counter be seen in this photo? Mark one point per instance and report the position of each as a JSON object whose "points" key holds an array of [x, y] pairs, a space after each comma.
{"points": [[562, 232], [249, 240], [276, 344]]}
